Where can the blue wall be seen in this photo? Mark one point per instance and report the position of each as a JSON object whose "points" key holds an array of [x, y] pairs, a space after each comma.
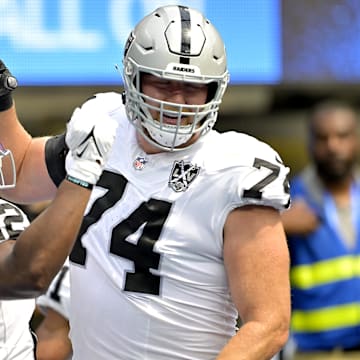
{"points": [[78, 42]]}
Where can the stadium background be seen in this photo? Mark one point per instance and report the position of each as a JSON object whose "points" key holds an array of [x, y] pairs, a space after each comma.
{"points": [[284, 55]]}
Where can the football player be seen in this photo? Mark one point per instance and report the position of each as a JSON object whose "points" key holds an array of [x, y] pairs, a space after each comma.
{"points": [[53, 330], [183, 234], [31, 255]]}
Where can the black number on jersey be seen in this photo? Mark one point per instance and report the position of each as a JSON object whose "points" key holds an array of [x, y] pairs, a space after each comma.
{"points": [[12, 221], [115, 184], [54, 293], [255, 191], [150, 216]]}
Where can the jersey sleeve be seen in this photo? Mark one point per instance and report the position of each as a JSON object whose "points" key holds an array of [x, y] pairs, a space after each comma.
{"points": [[57, 297], [254, 173], [55, 154], [266, 182], [13, 221]]}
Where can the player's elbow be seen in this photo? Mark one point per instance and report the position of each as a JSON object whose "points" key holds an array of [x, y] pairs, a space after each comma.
{"points": [[279, 331], [24, 285], [281, 335], [26, 276], [36, 284], [276, 331], [39, 279]]}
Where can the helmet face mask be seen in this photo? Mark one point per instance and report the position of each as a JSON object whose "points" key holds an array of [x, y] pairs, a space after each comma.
{"points": [[6, 157], [174, 43]]}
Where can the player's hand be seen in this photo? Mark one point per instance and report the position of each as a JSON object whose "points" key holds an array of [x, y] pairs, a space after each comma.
{"points": [[90, 136], [8, 82]]}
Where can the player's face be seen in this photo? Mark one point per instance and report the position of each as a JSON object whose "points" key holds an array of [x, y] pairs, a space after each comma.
{"points": [[178, 92], [334, 144]]}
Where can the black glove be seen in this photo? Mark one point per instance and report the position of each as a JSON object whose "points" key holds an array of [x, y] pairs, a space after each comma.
{"points": [[8, 83]]}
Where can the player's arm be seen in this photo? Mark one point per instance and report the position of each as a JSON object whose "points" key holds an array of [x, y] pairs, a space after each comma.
{"points": [[33, 181], [52, 327], [27, 267], [257, 263], [53, 333]]}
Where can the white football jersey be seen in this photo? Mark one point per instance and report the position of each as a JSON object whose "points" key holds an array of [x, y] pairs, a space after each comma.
{"points": [[147, 275], [16, 339], [57, 296]]}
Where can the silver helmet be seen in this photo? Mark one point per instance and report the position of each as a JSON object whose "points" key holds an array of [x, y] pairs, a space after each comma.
{"points": [[7, 181], [174, 43]]}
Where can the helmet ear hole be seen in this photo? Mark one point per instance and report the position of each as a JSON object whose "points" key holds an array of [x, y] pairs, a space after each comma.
{"points": [[212, 89], [139, 77]]}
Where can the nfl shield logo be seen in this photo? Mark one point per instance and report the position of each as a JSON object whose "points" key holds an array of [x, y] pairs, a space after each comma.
{"points": [[182, 175], [139, 163]]}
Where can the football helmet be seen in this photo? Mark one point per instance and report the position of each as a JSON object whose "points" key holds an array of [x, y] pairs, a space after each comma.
{"points": [[174, 43], [8, 181]]}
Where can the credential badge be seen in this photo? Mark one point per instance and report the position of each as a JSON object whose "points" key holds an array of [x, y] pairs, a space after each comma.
{"points": [[182, 175]]}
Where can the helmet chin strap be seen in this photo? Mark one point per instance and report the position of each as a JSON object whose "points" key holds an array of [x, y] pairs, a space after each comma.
{"points": [[167, 139]]}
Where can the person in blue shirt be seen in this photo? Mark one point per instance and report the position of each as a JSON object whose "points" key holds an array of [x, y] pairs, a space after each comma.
{"points": [[323, 230]]}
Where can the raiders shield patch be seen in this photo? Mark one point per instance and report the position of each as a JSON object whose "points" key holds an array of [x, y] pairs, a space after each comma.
{"points": [[182, 175]]}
